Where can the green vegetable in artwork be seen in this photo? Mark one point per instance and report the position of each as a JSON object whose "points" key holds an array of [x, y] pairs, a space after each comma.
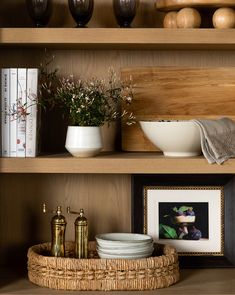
{"points": [[167, 231]]}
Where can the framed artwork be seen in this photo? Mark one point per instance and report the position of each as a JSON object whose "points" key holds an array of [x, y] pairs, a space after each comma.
{"points": [[193, 213], [191, 219]]}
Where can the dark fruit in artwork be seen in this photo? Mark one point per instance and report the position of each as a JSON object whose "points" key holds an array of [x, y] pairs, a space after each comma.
{"points": [[184, 211], [194, 234], [190, 212]]}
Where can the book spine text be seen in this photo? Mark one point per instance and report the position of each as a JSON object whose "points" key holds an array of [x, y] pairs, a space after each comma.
{"points": [[5, 111], [31, 119], [13, 111], [21, 113]]}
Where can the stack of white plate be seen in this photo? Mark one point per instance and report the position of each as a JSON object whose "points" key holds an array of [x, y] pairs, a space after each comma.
{"points": [[124, 245]]}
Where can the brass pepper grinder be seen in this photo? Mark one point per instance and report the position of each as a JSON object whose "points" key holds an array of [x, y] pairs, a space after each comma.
{"points": [[58, 226], [81, 234]]}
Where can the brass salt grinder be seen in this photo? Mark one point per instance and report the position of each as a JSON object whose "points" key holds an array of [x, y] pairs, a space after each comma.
{"points": [[81, 234], [58, 226]]}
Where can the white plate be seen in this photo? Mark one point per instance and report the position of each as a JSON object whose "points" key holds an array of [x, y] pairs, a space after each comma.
{"points": [[126, 250], [123, 240], [119, 245], [131, 256]]}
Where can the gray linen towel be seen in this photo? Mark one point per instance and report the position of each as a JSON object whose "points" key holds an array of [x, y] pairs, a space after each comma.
{"points": [[217, 139]]}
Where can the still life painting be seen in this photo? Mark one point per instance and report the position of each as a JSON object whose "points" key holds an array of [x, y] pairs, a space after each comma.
{"points": [[186, 221]]}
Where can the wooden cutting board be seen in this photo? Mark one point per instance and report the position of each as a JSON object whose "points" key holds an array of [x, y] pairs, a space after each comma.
{"points": [[177, 93], [166, 5]]}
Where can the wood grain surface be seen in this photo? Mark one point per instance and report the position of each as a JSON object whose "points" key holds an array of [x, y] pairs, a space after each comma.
{"points": [[177, 93], [114, 163], [105, 200], [139, 40], [167, 5]]}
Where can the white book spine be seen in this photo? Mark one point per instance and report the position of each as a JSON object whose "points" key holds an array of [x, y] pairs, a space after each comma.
{"points": [[21, 107], [13, 109], [5, 109], [31, 119]]}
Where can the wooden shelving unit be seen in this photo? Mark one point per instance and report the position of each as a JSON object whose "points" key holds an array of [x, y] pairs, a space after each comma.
{"points": [[108, 192], [194, 282], [115, 163], [116, 38]]}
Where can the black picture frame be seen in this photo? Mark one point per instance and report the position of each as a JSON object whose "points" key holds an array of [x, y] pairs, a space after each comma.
{"points": [[227, 181]]}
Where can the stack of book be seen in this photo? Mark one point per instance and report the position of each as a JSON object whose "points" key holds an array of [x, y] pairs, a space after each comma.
{"points": [[19, 112]]}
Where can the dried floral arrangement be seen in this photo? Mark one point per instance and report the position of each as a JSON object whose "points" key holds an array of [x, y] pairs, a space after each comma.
{"points": [[86, 102], [89, 102], [94, 102]]}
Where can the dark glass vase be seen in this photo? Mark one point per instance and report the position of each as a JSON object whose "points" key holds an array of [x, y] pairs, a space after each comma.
{"points": [[40, 11], [81, 11], [125, 11]]}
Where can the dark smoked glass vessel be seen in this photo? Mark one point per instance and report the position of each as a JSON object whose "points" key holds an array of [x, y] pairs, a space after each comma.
{"points": [[125, 11], [81, 11], [40, 11]]}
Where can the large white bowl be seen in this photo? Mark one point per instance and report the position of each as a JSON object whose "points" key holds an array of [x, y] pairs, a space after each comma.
{"points": [[174, 138]]}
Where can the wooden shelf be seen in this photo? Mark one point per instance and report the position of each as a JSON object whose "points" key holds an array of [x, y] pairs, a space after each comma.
{"points": [[114, 163], [193, 282], [116, 38]]}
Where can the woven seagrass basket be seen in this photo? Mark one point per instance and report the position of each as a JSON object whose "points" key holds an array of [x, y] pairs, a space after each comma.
{"points": [[102, 274]]}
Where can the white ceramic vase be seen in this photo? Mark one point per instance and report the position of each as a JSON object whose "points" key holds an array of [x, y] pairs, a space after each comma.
{"points": [[83, 141]]}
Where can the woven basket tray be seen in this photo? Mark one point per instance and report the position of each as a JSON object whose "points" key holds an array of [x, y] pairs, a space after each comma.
{"points": [[102, 274]]}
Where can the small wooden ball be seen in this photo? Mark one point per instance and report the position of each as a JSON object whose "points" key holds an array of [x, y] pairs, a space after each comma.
{"points": [[188, 18], [224, 18], [170, 20]]}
